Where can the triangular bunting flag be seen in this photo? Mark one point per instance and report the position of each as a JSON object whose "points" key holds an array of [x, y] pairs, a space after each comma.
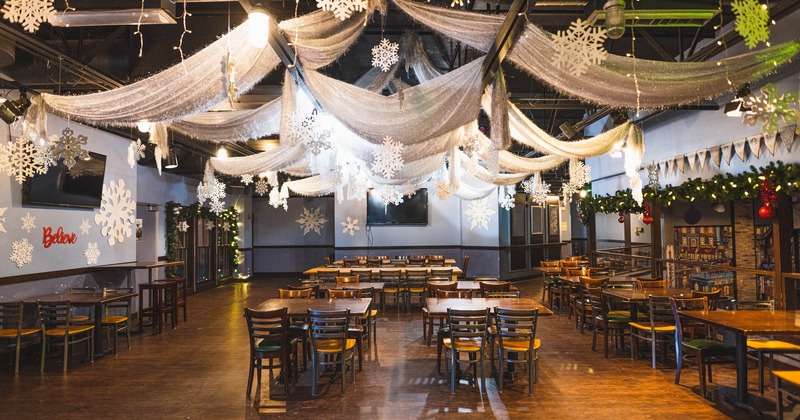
{"points": [[755, 145], [702, 156], [692, 158], [727, 152], [673, 166], [739, 148], [681, 163], [771, 141], [716, 155], [787, 136], [665, 167]]}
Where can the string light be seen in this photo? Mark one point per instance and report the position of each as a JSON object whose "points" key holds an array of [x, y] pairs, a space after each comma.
{"points": [[138, 29], [183, 34]]}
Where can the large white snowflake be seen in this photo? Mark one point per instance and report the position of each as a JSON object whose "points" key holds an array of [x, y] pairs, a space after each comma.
{"points": [[390, 195], [21, 159], [201, 193], [216, 191], [183, 226], [384, 55], [537, 189], [28, 222], [311, 220], [30, 13], [85, 227], [70, 147], [479, 213], [443, 189], [216, 206], [342, 9], [261, 186], [388, 157], [247, 179], [579, 173], [135, 152], [117, 212], [770, 108], [350, 226], [21, 252], [92, 253], [752, 21], [579, 47], [2, 218]]}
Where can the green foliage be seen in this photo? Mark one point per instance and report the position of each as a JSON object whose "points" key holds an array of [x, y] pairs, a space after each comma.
{"points": [[176, 213]]}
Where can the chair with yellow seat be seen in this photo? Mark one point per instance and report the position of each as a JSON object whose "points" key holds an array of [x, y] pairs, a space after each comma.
{"points": [[81, 319], [270, 339], [515, 333], [427, 319], [356, 329], [444, 331], [298, 327], [12, 331], [766, 346], [331, 345], [370, 321], [659, 331], [416, 286], [117, 316], [790, 376], [548, 279], [394, 286], [468, 335], [59, 330]]}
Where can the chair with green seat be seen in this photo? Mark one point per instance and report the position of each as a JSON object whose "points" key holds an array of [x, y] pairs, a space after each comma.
{"points": [[12, 331], [468, 334], [59, 330], [331, 345], [489, 286], [582, 305], [515, 333], [298, 327], [612, 327], [659, 331], [269, 340], [117, 316], [705, 351]]}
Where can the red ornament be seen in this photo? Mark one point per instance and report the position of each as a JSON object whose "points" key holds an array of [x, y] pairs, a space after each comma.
{"points": [[621, 218], [766, 212], [647, 219]]}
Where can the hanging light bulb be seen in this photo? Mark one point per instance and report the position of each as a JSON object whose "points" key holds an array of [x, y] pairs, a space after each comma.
{"points": [[222, 152], [143, 126], [259, 26], [615, 18]]}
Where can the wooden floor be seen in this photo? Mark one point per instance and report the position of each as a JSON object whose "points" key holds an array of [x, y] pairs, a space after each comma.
{"points": [[199, 370]]}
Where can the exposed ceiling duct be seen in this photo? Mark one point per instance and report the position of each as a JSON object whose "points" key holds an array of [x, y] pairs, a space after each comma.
{"points": [[117, 13]]}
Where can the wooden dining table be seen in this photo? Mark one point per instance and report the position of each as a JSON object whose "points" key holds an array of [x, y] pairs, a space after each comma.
{"points": [[636, 296], [344, 271], [300, 307], [439, 306], [744, 323], [615, 279]]}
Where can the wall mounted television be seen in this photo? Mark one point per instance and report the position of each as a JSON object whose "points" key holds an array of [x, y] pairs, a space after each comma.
{"points": [[412, 211], [79, 186]]}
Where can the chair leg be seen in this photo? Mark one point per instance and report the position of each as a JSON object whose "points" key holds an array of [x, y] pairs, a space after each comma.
{"points": [[531, 369], [760, 356], [16, 358], [257, 398], [314, 373], [66, 351], [453, 355], [500, 369], [359, 341], [779, 399], [44, 349], [653, 339], [439, 346], [250, 377], [702, 368]]}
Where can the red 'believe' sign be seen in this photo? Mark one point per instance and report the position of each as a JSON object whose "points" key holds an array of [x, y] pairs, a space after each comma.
{"points": [[50, 238]]}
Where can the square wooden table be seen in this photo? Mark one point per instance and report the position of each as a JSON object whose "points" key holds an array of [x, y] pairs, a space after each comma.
{"points": [[438, 306], [636, 296], [744, 323], [300, 307]]}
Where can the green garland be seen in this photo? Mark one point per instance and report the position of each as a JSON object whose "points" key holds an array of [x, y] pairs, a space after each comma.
{"points": [[177, 213], [725, 187]]}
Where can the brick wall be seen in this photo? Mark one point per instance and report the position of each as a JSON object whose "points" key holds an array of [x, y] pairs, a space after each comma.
{"points": [[744, 239]]}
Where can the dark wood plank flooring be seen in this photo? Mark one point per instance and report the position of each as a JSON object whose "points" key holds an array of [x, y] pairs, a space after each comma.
{"points": [[199, 370]]}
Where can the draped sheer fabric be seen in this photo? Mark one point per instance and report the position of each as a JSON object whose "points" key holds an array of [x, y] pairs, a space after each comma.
{"points": [[233, 126]]}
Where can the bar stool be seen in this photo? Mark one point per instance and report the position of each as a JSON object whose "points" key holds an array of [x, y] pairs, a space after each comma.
{"points": [[157, 293]]}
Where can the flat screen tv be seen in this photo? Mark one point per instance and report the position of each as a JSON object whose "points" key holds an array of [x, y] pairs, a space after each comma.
{"points": [[79, 186], [412, 211]]}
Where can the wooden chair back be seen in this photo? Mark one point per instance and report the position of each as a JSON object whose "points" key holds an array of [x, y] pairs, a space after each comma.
{"points": [[550, 264], [491, 287], [416, 260], [266, 327], [575, 271], [347, 279], [433, 289], [327, 260], [502, 295], [712, 296], [686, 304], [349, 262], [327, 275], [569, 264], [516, 325], [464, 266], [650, 284], [344, 293], [363, 274], [436, 260], [442, 272], [457, 294], [11, 317], [416, 274], [575, 258], [295, 293]]}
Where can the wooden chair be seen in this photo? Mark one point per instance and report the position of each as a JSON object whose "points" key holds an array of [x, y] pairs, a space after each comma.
{"points": [[327, 260], [82, 319], [355, 330], [362, 274], [11, 328], [120, 319], [313, 284], [180, 297], [468, 335], [427, 319], [560, 291], [642, 284], [612, 327], [370, 322], [567, 264], [705, 351], [575, 271], [394, 286], [298, 327], [314, 289], [713, 297], [374, 262], [582, 306], [344, 293], [442, 272], [464, 266], [269, 340], [766, 346], [341, 281], [327, 276], [304, 293], [548, 280], [515, 333], [329, 337], [416, 285], [493, 286], [454, 294], [59, 330], [435, 260], [349, 262], [416, 260], [503, 295], [659, 331], [791, 376]]}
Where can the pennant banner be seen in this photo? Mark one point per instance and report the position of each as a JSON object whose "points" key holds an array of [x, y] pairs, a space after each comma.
{"points": [[787, 136], [739, 148], [727, 152], [681, 163], [692, 158], [755, 146], [702, 156], [770, 142], [716, 155]]}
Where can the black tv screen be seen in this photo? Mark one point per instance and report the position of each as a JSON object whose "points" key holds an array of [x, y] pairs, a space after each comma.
{"points": [[412, 211], [79, 186]]}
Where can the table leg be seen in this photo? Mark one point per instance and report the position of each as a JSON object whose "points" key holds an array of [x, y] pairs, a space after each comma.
{"points": [[634, 308], [98, 327], [741, 369]]}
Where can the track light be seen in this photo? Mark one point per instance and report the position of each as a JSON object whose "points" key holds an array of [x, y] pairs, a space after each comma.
{"points": [[615, 18], [11, 110], [172, 160], [568, 130], [259, 26]]}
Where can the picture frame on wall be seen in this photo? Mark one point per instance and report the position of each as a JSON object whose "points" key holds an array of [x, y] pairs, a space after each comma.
{"points": [[553, 214], [139, 229]]}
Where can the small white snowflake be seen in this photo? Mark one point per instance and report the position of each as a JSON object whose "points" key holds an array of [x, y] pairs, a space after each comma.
{"points": [[506, 200], [351, 226], [311, 220], [443, 189], [21, 252], [226, 226], [384, 55], [70, 148], [183, 226], [342, 9], [770, 108], [30, 13], [92, 253], [21, 159], [310, 132], [275, 199], [216, 191], [85, 227], [479, 213], [210, 225], [537, 189], [579, 47], [388, 157], [2, 218], [216, 206], [28, 222], [117, 212], [261, 186], [752, 21], [390, 195], [247, 179], [135, 152], [45, 155]]}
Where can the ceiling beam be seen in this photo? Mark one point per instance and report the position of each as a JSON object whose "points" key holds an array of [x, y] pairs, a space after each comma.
{"points": [[512, 26]]}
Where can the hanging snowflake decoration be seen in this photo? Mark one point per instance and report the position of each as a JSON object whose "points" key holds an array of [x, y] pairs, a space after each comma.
{"points": [[210, 225], [384, 55], [350, 226], [443, 189], [770, 108], [216, 206], [182, 226], [28, 222], [21, 252], [2, 218], [201, 193], [579, 47], [469, 144], [135, 152], [29, 13], [312, 133], [21, 160], [92, 253], [536, 188], [117, 212], [409, 190], [247, 179], [70, 147], [506, 199], [388, 157], [479, 213], [216, 192], [311, 220], [275, 199], [45, 156], [390, 195], [752, 21], [342, 9], [358, 186], [579, 174], [229, 79], [261, 186], [85, 227]]}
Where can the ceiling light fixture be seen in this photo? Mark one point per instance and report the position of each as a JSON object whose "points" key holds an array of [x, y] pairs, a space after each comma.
{"points": [[143, 126], [736, 107], [172, 160], [222, 153], [259, 26], [11, 110], [615, 18], [568, 130]]}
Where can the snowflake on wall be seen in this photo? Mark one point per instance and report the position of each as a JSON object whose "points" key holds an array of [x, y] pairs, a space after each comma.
{"points": [[579, 47], [183, 226], [92, 253], [275, 199], [390, 195], [21, 160], [21, 252], [85, 227], [247, 179], [350, 226], [342, 9], [29, 13], [135, 152], [261, 186], [384, 55], [210, 225], [479, 213], [226, 226], [537, 189], [117, 212], [752, 21], [311, 220], [506, 199], [2, 218], [388, 157], [70, 147], [28, 222], [443, 189], [770, 108]]}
